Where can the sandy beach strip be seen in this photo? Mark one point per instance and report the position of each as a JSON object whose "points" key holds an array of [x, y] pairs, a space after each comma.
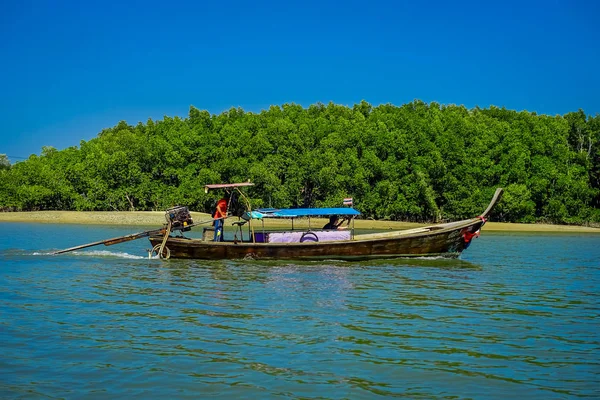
{"points": [[157, 218]]}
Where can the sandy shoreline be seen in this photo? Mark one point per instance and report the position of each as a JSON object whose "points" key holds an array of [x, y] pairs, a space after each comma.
{"points": [[157, 218]]}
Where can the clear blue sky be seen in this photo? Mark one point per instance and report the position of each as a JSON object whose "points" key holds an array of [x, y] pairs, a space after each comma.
{"points": [[69, 69]]}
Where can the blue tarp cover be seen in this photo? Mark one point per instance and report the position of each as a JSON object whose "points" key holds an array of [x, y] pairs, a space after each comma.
{"points": [[299, 212]]}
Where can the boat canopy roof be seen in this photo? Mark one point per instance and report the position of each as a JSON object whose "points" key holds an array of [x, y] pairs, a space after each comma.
{"points": [[299, 212], [226, 185]]}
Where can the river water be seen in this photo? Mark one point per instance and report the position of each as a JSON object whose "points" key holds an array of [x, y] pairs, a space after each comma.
{"points": [[516, 317]]}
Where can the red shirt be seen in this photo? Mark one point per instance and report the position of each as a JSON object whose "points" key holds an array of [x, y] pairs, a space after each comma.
{"points": [[221, 211]]}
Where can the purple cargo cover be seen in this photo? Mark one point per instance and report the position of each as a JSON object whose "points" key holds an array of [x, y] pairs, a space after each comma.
{"points": [[295, 237]]}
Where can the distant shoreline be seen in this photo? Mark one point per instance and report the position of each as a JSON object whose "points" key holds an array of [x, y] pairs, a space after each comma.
{"points": [[157, 218]]}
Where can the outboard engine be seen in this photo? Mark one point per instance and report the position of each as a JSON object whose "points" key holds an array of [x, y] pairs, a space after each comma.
{"points": [[180, 218]]}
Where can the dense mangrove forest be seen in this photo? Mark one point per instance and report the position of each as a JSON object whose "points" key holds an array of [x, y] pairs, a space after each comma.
{"points": [[415, 162]]}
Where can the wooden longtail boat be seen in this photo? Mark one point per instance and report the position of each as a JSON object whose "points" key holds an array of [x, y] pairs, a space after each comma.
{"points": [[445, 240]]}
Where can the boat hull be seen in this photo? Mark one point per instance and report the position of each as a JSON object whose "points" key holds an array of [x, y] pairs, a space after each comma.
{"points": [[446, 240]]}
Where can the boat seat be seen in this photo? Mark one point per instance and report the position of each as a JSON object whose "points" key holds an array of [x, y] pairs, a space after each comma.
{"points": [[238, 229]]}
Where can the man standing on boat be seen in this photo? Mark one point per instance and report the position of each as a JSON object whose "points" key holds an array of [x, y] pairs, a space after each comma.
{"points": [[219, 216]]}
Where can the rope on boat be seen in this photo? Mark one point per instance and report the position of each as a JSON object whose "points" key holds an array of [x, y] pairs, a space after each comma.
{"points": [[164, 242]]}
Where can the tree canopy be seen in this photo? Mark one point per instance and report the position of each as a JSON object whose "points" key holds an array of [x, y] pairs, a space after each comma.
{"points": [[417, 162]]}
